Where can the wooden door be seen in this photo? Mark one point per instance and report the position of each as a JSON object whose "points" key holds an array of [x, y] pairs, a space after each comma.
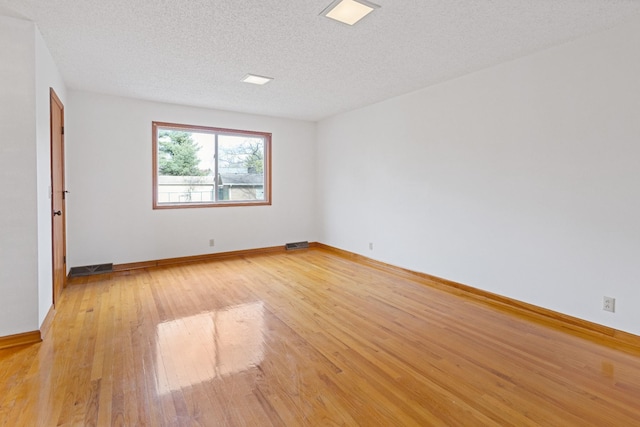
{"points": [[58, 221]]}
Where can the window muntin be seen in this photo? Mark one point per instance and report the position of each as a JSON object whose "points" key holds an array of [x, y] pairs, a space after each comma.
{"points": [[198, 166]]}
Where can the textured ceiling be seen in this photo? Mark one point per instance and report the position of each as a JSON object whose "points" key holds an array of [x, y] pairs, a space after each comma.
{"points": [[195, 52]]}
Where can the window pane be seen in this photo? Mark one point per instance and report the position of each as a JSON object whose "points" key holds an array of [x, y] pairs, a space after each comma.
{"points": [[240, 168], [186, 165]]}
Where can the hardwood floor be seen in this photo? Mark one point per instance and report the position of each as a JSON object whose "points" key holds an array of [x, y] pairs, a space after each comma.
{"points": [[303, 339]]}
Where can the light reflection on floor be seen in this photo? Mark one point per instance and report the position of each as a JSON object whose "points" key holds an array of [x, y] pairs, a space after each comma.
{"points": [[195, 349]]}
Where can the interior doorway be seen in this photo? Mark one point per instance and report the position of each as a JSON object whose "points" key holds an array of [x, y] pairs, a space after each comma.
{"points": [[58, 193]]}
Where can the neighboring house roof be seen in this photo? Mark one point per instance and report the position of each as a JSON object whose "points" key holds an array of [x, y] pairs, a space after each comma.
{"points": [[242, 178]]}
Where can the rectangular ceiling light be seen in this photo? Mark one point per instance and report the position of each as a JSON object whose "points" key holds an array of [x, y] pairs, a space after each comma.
{"points": [[349, 11], [256, 80]]}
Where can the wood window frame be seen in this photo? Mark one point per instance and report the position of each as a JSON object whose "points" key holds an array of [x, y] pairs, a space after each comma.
{"points": [[214, 130]]}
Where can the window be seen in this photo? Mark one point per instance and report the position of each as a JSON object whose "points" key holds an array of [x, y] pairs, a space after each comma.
{"points": [[198, 166]]}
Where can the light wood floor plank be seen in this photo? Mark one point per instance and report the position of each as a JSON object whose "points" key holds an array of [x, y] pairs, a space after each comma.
{"points": [[304, 338]]}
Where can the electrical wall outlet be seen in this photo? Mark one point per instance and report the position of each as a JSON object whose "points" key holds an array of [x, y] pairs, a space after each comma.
{"points": [[370, 246], [212, 242], [609, 304]]}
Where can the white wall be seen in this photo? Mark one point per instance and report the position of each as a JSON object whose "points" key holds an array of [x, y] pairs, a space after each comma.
{"points": [[47, 76], [18, 227], [522, 179], [110, 215]]}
